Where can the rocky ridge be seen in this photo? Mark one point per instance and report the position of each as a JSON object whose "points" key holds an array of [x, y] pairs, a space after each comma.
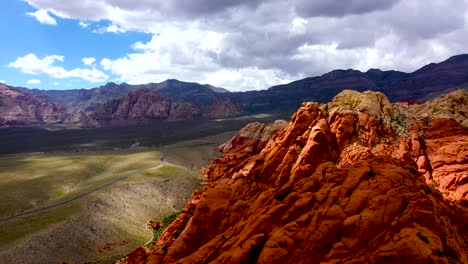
{"points": [[424, 84], [18, 108], [145, 104], [89, 100], [352, 181]]}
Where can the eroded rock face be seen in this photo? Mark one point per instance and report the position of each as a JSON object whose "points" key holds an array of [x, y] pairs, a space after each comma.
{"points": [[146, 104], [257, 131], [342, 188], [242, 148], [18, 108], [452, 105], [447, 152], [139, 105]]}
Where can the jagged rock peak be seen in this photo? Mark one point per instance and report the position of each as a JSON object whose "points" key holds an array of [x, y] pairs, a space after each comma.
{"points": [[342, 188], [253, 131]]}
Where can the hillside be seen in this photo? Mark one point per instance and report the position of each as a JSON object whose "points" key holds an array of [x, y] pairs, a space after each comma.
{"points": [[18, 108], [147, 105], [89, 99], [356, 180]]}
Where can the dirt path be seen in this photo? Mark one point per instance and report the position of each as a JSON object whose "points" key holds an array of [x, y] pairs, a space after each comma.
{"points": [[4, 219]]}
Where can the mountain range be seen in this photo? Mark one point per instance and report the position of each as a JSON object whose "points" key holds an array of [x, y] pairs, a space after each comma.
{"points": [[189, 100]]}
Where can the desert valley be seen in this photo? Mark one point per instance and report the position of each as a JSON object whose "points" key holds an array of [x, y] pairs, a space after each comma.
{"points": [[234, 132]]}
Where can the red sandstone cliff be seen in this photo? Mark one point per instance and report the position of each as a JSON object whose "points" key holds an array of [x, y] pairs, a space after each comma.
{"points": [[145, 104], [18, 108], [358, 180]]}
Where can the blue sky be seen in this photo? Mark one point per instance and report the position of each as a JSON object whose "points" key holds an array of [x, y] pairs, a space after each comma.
{"points": [[26, 35], [240, 45]]}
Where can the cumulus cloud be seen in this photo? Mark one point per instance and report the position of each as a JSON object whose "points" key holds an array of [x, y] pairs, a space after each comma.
{"points": [[31, 64], [176, 52], [88, 61], [33, 81], [2, 81], [254, 44], [43, 17]]}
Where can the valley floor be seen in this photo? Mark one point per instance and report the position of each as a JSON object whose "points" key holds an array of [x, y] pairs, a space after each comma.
{"points": [[94, 205]]}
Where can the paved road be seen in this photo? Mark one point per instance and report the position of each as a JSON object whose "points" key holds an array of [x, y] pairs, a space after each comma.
{"points": [[162, 162]]}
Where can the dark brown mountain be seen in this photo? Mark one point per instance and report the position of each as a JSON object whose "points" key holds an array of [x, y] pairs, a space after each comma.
{"points": [[424, 84], [18, 108], [147, 105]]}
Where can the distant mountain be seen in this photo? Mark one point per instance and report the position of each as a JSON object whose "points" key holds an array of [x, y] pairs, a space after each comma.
{"points": [[146, 105], [424, 84], [89, 99], [18, 108]]}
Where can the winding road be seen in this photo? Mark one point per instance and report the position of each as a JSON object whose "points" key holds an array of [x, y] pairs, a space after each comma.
{"points": [[162, 163]]}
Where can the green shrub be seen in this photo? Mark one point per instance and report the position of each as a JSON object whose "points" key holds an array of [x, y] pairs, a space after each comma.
{"points": [[166, 221]]}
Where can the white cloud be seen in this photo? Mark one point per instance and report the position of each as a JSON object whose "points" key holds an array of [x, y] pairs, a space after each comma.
{"points": [[83, 24], [88, 61], [31, 64], [33, 81], [2, 81], [298, 26], [192, 54], [252, 44], [113, 28], [55, 83], [43, 17]]}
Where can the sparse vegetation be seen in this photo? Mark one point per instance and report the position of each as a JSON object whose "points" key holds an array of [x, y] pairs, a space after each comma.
{"points": [[397, 120], [33, 181], [432, 187], [165, 222], [26, 139]]}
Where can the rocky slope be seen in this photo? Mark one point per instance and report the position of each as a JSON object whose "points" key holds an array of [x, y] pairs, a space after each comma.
{"points": [[17, 108], [147, 105], [352, 181], [90, 99]]}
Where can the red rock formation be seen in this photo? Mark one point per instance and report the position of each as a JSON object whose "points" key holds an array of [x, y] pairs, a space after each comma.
{"points": [[221, 108], [347, 189], [447, 152], [18, 108], [139, 105], [240, 149], [145, 104]]}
